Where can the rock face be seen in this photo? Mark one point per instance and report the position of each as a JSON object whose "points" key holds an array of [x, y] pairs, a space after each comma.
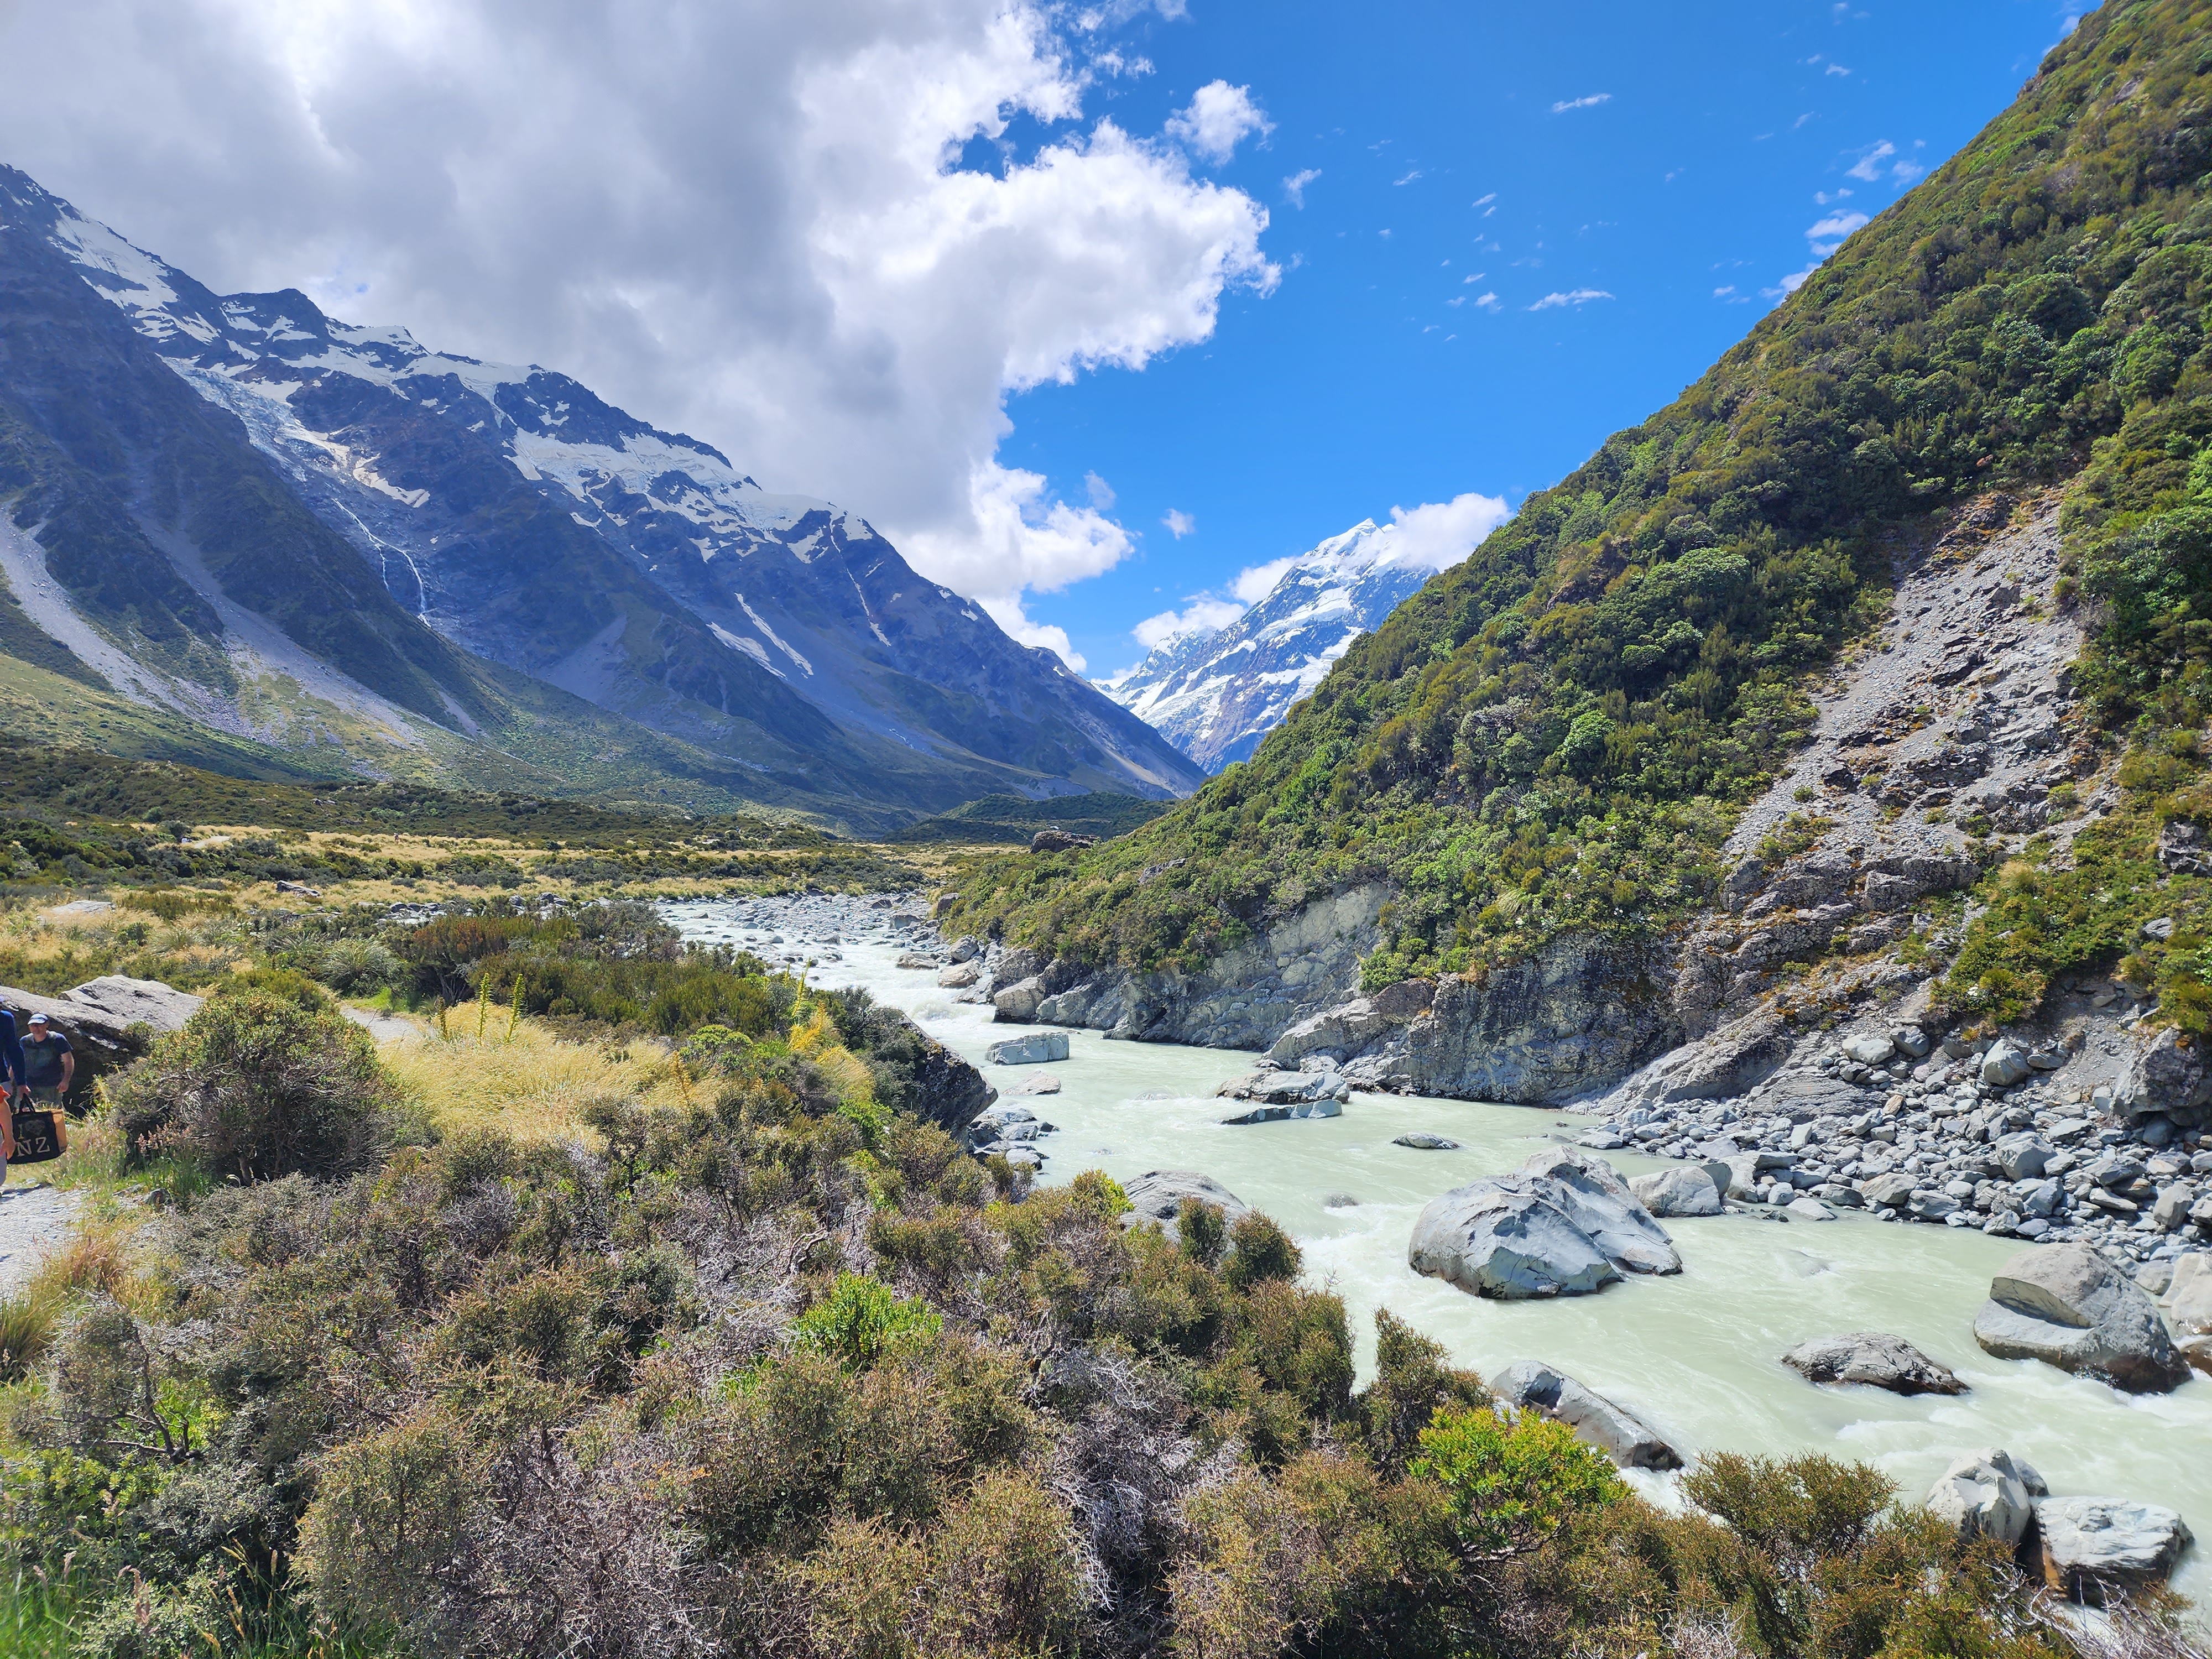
{"points": [[1617, 1432], [1035, 1049], [2189, 1295], [2091, 1543], [129, 1002], [1874, 1357], [1687, 1190], [1562, 1224], [1156, 1198], [1987, 1494], [2067, 1306]]}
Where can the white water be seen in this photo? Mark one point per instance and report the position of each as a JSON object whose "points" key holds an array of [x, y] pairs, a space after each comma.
{"points": [[1697, 1354]]}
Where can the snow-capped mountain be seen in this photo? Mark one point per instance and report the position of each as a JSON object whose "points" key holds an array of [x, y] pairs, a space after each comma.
{"points": [[1216, 692], [513, 513]]}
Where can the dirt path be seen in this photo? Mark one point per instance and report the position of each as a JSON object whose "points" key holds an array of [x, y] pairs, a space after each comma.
{"points": [[33, 1216]]}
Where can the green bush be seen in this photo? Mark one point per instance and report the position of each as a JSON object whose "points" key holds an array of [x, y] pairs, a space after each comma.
{"points": [[256, 1086]]}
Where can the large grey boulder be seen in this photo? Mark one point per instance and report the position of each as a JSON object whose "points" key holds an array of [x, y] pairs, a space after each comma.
{"points": [[1889, 1192], [1562, 1224], [1286, 1088], [1719, 1066], [1617, 1432], [960, 975], [1325, 1107], [1017, 1005], [2166, 1077], [2091, 1543], [1036, 1048], [2005, 1064], [1156, 1199], [1987, 1494], [125, 1002], [2023, 1156], [1345, 1029], [1874, 1357], [2069, 1307], [1870, 1048], [1686, 1189]]}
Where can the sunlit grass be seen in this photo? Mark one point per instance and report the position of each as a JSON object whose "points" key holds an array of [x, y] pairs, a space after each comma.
{"points": [[532, 1085]]}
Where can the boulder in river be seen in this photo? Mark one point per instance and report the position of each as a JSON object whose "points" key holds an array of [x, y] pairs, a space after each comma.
{"points": [[2069, 1307], [2189, 1294], [1325, 1107], [1562, 1224], [1686, 1189], [1874, 1357], [1274, 1088], [1156, 1198], [1617, 1432], [1038, 1048], [1017, 1005], [960, 975], [2091, 1543], [1987, 1494], [1808, 1209], [1038, 1083], [1422, 1141]]}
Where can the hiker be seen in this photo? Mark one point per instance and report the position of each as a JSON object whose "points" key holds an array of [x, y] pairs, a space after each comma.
{"points": [[49, 1067], [11, 1077]]}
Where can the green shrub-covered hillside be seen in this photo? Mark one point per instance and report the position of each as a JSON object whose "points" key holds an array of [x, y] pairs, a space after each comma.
{"points": [[1556, 733], [779, 1370]]}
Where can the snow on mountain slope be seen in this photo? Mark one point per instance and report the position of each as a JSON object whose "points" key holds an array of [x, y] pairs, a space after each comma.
{"points": [[1215, 692], [511, 510]]}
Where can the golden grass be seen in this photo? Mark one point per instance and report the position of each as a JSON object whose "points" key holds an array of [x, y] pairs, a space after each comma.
{"points": [[533, 1086]]}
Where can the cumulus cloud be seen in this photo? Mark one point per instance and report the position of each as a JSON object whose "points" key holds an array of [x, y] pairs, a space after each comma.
{"points": [[1825, 237], [1179, 523], [1579, 296], [1590, 102], [1294, 187], [750, 220], [1220, 118], [1256, 581], [1883, 158], [1201, 615], [1437, 535]]}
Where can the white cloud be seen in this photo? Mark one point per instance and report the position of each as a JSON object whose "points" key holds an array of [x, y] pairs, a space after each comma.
{"points": [[1408, 178], [1294, 187], [1179, 523], [1590, 102], [1580, 297], [1488, 302], [1437, 535], [1220, 118], [1868, 165], [1835, 69], [1485, 201], [1825, 237], [765, 238], [1823, 198], [1209, 616], [1100, 492], [1789, 284], [1256, 581]]}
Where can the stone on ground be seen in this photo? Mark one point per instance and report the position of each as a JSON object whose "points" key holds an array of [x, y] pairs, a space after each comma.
{"points": [[1875, 1358], [1422, 1141], [2069, 1307], [1614, 1430], [2189, 1294]]}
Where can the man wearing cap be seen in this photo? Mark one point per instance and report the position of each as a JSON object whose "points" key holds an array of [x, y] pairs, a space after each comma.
{"points": [[49, 1065]]}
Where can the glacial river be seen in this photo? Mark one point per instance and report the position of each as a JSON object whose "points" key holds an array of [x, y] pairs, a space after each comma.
{"points": [[1698, 1354]]}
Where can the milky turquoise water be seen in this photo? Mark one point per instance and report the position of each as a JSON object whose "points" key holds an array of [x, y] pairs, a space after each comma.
{"points": [[1697, 1354]]}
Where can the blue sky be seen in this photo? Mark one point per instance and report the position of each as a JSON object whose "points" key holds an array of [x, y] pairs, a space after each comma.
{"points": [[1678, 160]]}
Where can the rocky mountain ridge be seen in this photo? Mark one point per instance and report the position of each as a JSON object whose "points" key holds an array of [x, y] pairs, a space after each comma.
{"points": [[1215, 692], [511, 512]]}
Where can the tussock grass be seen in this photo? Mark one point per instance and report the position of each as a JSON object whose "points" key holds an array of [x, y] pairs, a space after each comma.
{"points": [[534, 1086]]}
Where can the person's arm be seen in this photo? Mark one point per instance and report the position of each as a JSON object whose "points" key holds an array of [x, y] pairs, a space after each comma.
{"points": [[69, 1068]]}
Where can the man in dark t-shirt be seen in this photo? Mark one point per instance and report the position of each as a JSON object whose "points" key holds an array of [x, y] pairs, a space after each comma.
{"points": [[49, 1064]]}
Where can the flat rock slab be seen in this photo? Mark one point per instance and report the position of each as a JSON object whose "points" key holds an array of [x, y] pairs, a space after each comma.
{"points": [[1614, 1430], [1038, 1048], [1564, 1224], [1156, 1198], [2069, 1307], [1304, 1108], [136, 1001], [1422, 1141], [1875, 1359], [2089, 1542]]}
